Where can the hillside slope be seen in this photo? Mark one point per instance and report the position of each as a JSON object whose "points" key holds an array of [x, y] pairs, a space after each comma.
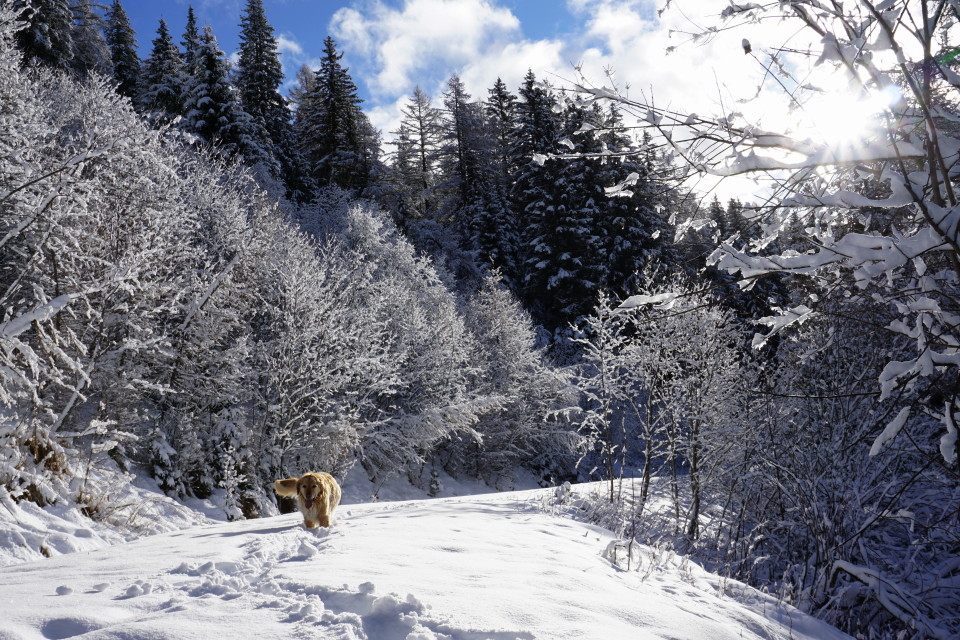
{"points": [[489, 566]]}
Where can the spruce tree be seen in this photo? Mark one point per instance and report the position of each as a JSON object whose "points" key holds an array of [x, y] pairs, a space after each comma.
{"points": [[495, 226], [47, 37], [258, 79], [571, 258], [336, 139], [533, 194], [212, 110], [164, 77], [500, 111], [190, 41], [638, 236], [122, 41], [259, 73]]}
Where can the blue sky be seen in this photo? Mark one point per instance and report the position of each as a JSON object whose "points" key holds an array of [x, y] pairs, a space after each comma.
{"points": [[303, 24], [392, 46]]}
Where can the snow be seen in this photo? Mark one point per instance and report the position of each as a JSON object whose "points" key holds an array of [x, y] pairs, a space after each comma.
{"points": [[494, 566]]}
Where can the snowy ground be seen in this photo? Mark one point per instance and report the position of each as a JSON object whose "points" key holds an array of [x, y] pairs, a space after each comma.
{"points": [[493, 566]]}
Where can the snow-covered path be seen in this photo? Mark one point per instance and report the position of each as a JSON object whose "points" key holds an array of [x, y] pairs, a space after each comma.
{"points": [[490, 566]]}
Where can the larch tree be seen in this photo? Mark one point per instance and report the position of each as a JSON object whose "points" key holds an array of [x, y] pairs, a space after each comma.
{"points": [[418, 143]]}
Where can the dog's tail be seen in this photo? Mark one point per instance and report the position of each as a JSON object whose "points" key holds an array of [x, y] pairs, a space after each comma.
{"points": [[286, 488]]}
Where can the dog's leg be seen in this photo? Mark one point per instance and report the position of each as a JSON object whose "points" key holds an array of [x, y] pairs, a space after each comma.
{"points": [[324, 520], [309, 524]]}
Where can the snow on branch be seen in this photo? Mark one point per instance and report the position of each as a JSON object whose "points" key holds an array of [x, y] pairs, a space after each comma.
{"points": [[13, 328]]}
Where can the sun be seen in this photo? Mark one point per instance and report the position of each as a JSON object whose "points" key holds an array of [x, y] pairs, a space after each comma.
{"points": [[841, 116]]}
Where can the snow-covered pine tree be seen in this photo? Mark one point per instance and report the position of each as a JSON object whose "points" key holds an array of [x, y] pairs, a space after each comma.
{"points": [[48, 35], [259, 73], [534, 193], [495, 226], [334, 134], [122, 42], [164, 77], [91, 53], [636, 234]]}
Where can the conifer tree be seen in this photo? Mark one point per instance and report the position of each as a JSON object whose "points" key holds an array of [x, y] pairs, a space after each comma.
{"points": [[164, 77], [47, 36], [91, 53], [497, 236], [212, 110], [335, 137], [533, 193], [500, 111], [190, 41], [637, 235], [122, 41], [418, 143], [259, 73], [571, 260], [258, 79]]}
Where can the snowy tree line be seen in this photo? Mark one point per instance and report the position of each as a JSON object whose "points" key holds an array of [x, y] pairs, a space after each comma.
{"points": [[470, 181]]}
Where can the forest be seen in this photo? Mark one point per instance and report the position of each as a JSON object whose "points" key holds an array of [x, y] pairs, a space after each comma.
{"points": [[214, 284]]}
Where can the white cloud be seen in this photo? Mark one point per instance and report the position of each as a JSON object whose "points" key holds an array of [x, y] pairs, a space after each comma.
{"points": [[288, 46], [397, 45]]}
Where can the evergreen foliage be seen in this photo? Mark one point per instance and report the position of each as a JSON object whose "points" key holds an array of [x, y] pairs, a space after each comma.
{"points": [[164, 77], [91, 53], [48, 36], [212, 110], [190, 41], [122, 42], [336, 139]]}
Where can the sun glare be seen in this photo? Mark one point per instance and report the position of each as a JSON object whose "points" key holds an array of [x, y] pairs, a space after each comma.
{"points": [[842, 117]]}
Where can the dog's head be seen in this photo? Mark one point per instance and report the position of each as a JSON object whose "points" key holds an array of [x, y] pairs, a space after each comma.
{"points": [[309, 488]]}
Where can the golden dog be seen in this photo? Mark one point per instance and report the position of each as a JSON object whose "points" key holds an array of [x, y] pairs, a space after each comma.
{"points": [[318, 494]]}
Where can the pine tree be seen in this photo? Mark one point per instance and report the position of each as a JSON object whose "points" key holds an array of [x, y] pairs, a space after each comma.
{"points": [[164, 77], [122, 41], [259, 74], [335, 137], [47, 37], [571, 258], [637, 235], [91, 53], [495, 225], [258, 79]]}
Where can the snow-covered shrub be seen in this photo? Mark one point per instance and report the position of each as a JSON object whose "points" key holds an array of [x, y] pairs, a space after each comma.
{"points": [[528, 425]]}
